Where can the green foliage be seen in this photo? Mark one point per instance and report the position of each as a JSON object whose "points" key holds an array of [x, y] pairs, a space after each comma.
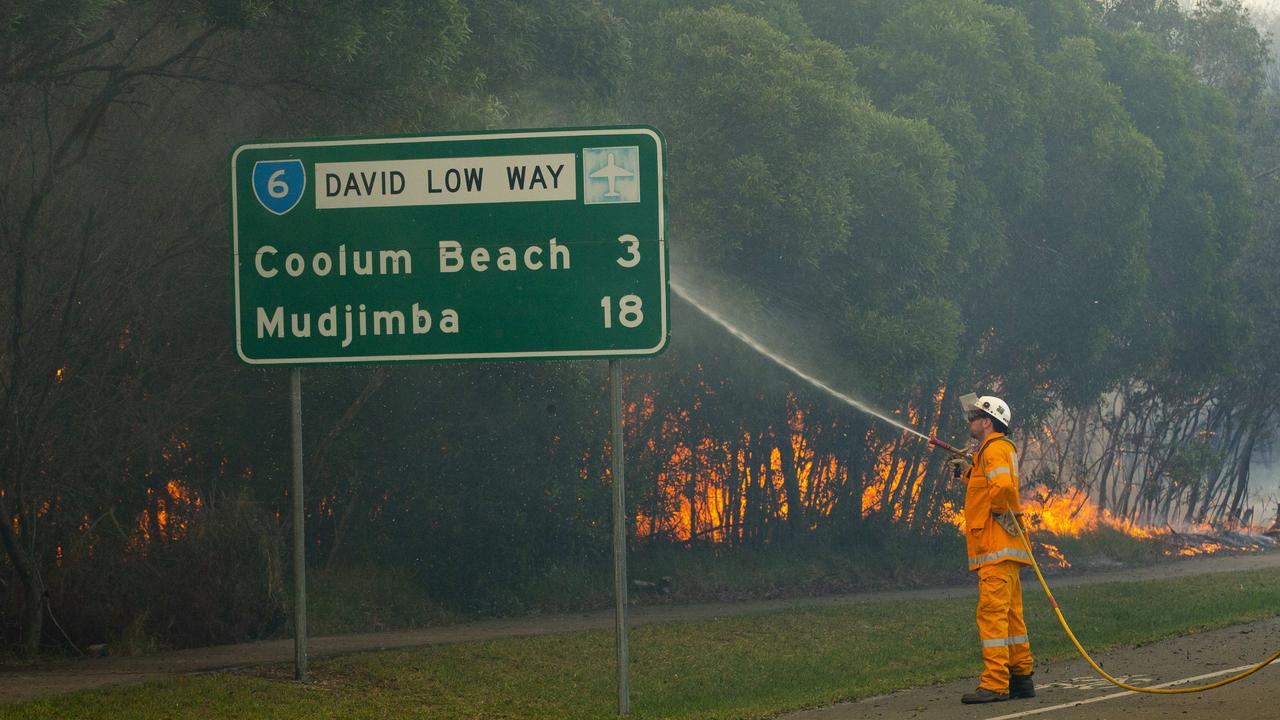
{"points": [[43, 21], [1053, 20], [761, 111], [783, 15], [1082, 270], [815, 176], [239, 14], [1227, 50], [1201, 218]]}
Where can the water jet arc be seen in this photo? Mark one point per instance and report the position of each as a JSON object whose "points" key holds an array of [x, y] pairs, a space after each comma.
{"points": [[759, 347]]}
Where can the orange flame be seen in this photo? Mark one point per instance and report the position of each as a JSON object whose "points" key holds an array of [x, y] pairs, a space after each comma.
{"points": [[1075, 513], [1203, 549], [1069, 514], [1055, 555], [710, 489]]}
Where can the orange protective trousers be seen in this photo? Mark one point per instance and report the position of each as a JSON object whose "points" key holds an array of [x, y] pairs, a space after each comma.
{"points": [[1005, 645]]}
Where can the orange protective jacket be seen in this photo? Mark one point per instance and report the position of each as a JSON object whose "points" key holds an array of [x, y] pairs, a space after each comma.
{"points": [[992, 487]]}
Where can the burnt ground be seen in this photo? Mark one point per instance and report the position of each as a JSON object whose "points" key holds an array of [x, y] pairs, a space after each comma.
{"points": [[22, 684]]}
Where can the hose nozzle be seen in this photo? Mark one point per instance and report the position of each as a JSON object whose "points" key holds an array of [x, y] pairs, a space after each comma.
{"points": [[955, 452], [949, 448]]}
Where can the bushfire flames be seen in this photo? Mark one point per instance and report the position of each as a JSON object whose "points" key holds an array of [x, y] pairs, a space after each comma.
{"points": [[171, 508], [711, 490], [1072, 514], [721, 491]]}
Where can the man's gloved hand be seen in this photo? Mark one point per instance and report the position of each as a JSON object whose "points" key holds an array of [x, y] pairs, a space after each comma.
{"points": [[958, 464], [1009, 522]]}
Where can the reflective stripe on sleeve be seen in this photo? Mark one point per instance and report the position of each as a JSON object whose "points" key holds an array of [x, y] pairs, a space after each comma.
{"points": [[1005, 642], [998, 555], [998, 471]]}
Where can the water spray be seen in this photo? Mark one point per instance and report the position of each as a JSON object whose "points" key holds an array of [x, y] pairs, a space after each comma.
{"points": [[760, 348]]}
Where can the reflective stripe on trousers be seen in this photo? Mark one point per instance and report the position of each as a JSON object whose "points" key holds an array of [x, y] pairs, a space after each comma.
{"points": [[1002, 642]]}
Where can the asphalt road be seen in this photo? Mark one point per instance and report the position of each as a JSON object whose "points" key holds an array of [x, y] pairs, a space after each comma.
{"points": [[1071, 690]]}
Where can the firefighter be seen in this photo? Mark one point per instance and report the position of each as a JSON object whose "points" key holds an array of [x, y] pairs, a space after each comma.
{"points": [[996, 553]]}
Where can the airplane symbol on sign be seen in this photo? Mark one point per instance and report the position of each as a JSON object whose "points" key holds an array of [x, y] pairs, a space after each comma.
{"points": [[612, 172]]}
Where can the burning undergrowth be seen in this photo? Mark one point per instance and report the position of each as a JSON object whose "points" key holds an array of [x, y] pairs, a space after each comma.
{"points": [[812, 502], [1069, 531]]}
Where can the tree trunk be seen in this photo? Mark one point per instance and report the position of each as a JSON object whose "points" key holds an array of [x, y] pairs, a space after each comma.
{"points": [[691, 489], [25, 564], [33, 618], [790, 479], [736, 479]]}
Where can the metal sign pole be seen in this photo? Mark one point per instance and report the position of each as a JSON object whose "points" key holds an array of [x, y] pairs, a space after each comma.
{"points": [[299, 537], [619, 541]]}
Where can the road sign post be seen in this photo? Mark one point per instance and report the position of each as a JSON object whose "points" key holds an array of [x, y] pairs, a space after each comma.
{"points": [[619, 540], [529, 244], [299, 532]]}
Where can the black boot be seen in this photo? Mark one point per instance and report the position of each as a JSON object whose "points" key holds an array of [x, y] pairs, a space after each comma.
{"points": [[1021, 686], [983, 695]]}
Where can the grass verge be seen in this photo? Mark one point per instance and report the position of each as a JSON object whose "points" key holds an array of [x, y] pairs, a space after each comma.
{"points": [[733, 667]]}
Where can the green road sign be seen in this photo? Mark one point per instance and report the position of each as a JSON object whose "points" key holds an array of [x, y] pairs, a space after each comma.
{"points": [[504, 245]]}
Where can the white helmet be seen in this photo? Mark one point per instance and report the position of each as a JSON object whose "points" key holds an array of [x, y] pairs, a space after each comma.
{"points": [[989, 404]]}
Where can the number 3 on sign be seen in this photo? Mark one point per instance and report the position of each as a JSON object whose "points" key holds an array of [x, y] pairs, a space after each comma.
{"points": [[629, 312], [633, 251]]}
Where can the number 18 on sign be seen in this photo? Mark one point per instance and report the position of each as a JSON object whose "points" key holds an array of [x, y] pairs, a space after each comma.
{"points": [[518, 244]]}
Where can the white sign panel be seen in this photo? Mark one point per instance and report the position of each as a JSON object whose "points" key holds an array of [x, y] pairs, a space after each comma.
{"points": [[446, 181]]}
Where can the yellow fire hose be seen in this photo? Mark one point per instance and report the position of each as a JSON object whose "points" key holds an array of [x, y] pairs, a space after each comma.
{"points": [[1026, 541]]}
